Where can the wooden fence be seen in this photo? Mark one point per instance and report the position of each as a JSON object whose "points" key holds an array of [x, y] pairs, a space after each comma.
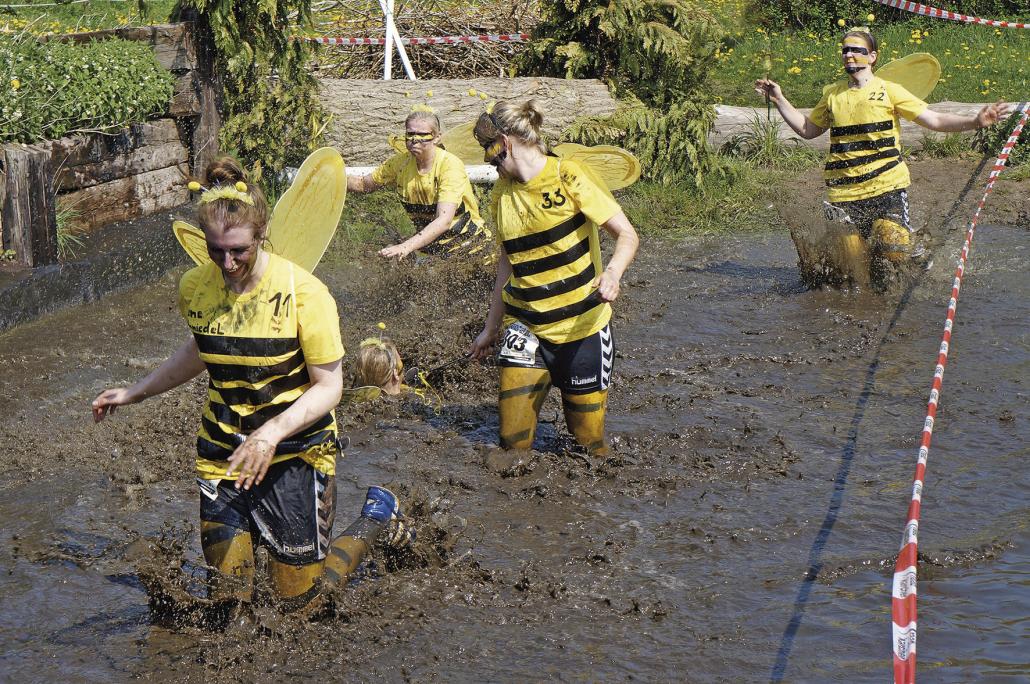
{"points": [[105, 178]]}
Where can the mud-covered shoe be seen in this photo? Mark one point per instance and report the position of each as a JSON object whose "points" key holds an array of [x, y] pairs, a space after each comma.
{"points": [[381, 505]]}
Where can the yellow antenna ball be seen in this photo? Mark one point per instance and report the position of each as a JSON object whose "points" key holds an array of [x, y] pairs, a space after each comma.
{"points": [[472, 92], [841, 23], [482, 96], [194, 186], [870, 18], [429, 93], [409, 94], [241, 186], [381, 325]]}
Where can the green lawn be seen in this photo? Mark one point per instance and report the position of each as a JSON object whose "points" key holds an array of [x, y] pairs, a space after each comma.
{"points": [[91, 15], [979, 64]]}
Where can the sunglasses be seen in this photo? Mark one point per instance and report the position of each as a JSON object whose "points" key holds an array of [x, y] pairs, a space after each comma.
{"points": [[848, 49], [418, 137]]}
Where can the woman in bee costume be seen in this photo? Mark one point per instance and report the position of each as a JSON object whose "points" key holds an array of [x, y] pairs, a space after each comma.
{"points": [[866, 177], [552, 294], [435, 191], [268, 334]]}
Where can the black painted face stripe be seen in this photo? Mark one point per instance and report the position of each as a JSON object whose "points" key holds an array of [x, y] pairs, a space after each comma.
{"points": [[555, 315], [544, 237], [859, 161], [264, 395], [862, 145], [851, 180], [565, 258], [861, 128], [246, 346], [532, 294], [225, 372]]}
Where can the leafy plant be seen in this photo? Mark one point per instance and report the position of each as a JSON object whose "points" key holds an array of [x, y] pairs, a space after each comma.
{"points": [[272, 114], [762, 144], [52, 89], [990, 140], [944, 146], [671, 145], [658, 50], [822, 14]]}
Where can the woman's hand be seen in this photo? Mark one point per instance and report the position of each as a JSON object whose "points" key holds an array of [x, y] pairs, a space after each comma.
{"points": [[252, 459], [992, 114], [400, 251], [608, 286], [109, 400], [483, 344], [768, 88]]}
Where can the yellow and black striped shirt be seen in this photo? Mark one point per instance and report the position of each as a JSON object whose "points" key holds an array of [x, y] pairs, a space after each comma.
{"points": [[257, 347], [865, 137], [548, 227]]}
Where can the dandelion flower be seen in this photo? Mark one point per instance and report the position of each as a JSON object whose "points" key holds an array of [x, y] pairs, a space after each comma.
{"points": [[870, 17], [15, 84]]}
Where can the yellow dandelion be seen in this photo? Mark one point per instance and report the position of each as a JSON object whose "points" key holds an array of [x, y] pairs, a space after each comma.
{"points": [[870, 17], [794, 70], [15, 84]]}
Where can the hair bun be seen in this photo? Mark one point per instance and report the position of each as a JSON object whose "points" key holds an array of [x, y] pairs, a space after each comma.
{"points": [[225, 171]]}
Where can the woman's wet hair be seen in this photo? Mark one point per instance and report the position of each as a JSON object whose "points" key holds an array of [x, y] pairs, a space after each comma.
{"points": [[378, 360], [427, 115], [521, 121], [869, 39], [227, 212]]}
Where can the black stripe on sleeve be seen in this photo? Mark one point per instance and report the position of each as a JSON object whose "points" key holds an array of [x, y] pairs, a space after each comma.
{"points": [[862, 145], [264, 395], [225, 372], [555, 315], [851, 180], [877, 127], [532, 294], [527, 268], [544, 237], [246, 346], [859, 161]]}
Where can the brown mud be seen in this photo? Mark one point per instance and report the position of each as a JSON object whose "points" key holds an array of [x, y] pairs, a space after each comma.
{"points": [[761, 433]]}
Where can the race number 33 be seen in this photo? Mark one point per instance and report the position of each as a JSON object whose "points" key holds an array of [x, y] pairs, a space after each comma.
{"points": [[559, 199]]}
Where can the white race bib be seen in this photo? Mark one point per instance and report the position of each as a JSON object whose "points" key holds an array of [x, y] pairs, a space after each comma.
{"points": [[518, 344]]}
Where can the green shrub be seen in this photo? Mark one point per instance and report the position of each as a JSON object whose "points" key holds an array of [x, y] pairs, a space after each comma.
{"points": [[658, 50], [49, 90], [823, 14], [671, 145], [990, 140]]}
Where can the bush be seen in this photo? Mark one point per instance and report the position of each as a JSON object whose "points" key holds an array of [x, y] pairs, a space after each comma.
{"points": [[990, 140], [658, 50], [49, 90], [823, 14]]}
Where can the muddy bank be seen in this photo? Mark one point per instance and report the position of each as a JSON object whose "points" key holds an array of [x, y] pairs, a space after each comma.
{"points": [[750, 419]]}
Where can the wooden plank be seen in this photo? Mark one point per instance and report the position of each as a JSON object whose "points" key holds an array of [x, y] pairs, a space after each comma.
{"points": [[29, 210], [4, 240], [141, 160], [172, 43], [127, 198], [185, 99], [82, 150], [204, 129]]}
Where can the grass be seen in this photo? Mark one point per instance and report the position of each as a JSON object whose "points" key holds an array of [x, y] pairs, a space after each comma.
{"points": [[69, 233], [761, 145], [92, 15], [935, 146], [978, 63]]}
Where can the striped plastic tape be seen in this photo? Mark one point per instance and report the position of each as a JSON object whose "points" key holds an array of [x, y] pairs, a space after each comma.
{"points": [[437, 40], [938, 13]]}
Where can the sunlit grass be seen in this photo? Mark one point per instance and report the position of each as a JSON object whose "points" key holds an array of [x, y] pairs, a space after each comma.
{"points": [[71, 18], [979, 64]]}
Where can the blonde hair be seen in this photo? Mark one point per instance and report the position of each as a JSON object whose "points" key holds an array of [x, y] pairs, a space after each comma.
{"points": [[424, 114], [378, 360], [230, 212], [520, 121]]}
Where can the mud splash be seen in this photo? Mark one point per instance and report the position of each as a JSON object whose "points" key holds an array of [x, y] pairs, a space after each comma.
{"points": [[679, 558]]}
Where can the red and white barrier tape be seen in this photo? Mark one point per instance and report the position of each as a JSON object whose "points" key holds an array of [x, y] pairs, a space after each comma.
{"points": [[938, 13], [438, 40], [903, 597]]}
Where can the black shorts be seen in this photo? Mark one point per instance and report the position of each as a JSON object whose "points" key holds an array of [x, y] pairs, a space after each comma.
{"points": [[579, 367], [291, 511], [891, 205]]}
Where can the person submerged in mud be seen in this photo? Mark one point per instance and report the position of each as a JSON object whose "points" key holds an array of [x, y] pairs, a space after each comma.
{"points": [[379, 365], [268, 334], [866, 177], [435, 191], [552, 294]]}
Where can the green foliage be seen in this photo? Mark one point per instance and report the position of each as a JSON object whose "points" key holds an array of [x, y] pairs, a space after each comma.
{"points": [[658, 50], [733, 201], [69, 232], [990, 140], [761, 144], [52, 89], [823, 14], [272, 114], [671, 145], [944, 146]]}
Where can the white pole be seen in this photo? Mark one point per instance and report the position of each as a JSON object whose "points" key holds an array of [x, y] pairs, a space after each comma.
{"points": [[388, 62], [391, 30]]}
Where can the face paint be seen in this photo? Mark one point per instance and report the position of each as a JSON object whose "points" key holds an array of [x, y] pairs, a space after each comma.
{"points": [[855, 55], [415, 137], [494, 153]]}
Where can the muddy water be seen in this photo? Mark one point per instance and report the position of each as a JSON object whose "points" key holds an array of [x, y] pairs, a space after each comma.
{"points": [[765, 440]]}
